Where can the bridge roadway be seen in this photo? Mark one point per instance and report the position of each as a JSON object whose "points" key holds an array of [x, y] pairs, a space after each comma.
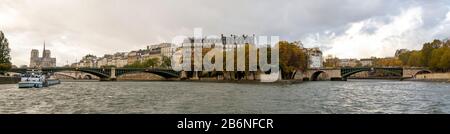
{"points": [[310, 74]]}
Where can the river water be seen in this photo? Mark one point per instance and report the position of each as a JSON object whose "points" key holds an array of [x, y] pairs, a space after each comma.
{"points": [[353, 96]]}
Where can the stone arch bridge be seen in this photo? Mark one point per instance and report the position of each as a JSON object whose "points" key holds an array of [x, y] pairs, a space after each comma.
{"points": [[344, 73]]}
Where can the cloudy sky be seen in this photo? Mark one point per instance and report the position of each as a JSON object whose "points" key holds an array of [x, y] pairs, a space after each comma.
{"points": [[344, 28]]}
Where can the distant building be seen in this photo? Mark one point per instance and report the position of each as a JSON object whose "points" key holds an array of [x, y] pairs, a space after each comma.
{"points": [[227, 42], [88, 61], [45, 61], [152, 55], [348, 62], [315, 57], [91, 61], [367, 62], [103, 61], [142, 55], [119, 60], [167, 50], [331, 61]]}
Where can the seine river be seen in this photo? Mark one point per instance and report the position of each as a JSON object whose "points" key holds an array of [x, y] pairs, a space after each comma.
{"points": [[353, 96]]}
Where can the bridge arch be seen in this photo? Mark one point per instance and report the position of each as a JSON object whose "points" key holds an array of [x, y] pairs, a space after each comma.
{"points": [[92, 72], [316, 74], [422, 72], [88, 77], [98, 74], [75, 75]]}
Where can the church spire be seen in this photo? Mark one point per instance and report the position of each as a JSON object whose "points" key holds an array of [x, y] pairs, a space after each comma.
{"points": [[43, 52]]}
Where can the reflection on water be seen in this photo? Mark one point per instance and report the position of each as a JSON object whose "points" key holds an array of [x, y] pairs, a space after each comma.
{"points": [[354, 96]]}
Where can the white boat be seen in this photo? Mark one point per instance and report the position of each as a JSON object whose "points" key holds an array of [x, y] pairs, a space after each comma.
{"points": [[36, 79]]}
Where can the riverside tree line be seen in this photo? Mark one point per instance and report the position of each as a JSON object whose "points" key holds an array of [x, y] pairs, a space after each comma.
{"points": [[434, 55]]}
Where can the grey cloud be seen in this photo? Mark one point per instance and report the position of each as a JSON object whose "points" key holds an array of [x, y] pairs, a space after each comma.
{"points": [[99, 27]]}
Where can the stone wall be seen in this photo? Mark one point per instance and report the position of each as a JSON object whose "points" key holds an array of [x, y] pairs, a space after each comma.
{"points": [[326, 75], [433, 76], [140, 76], [410, 72], [363, 74], [74, 75], [9, 80]]}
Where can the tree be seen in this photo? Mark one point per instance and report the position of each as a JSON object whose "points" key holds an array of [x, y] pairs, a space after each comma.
{"points": [[444, 62], [136, 64], [404, 57], [152, 62], [388, 62], [292, 58], [5, 58], [166, 62], [435, 58], [414, 59], [331, 61], [434, 55], [447, 43], [427, 51]]}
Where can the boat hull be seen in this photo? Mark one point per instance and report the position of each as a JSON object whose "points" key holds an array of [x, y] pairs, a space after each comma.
{"points": [[38, 84], [53, 82], [36, 79], [30, 84]]}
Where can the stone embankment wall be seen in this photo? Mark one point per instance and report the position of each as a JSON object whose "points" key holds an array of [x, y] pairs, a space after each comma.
{"points": [[433, 77], [139, 77], [9, 80]]}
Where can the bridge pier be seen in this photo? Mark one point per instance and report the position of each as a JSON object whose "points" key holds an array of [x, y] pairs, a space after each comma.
{"points": [[183, 75], [195, 77], [338, 79], [113, 74]]}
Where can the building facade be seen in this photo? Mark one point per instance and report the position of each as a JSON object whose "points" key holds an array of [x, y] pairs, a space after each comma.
{"points": [[315, 58], [45, 61], [367, 62], [88, 61], [121, 59], [226, 42], [348, 62]]}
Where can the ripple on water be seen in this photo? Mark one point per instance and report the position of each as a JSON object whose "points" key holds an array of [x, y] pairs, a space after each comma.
{"points": [[354, 96]]}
